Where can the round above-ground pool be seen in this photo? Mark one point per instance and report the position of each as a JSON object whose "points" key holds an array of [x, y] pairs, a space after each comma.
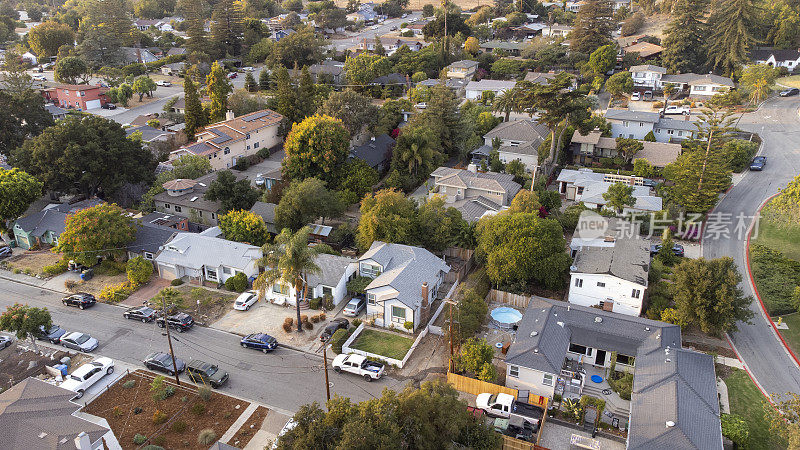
{"points": [[506, 317], [597, 378]]}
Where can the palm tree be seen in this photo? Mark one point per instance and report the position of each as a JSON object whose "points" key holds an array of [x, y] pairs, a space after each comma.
{"points": [[506, 102], [288, 259]]}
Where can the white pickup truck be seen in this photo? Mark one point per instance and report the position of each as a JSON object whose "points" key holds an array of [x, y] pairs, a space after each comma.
{"points": [[86, 375], [358, 365], [675, 109], [505, 406]]}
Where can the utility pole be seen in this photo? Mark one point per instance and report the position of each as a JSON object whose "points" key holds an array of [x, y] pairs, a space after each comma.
{"points": [[325, 359], [163, 299], [450, 332]]}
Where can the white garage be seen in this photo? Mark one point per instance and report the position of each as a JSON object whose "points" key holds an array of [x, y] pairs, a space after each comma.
{"points": [[93, 104]]}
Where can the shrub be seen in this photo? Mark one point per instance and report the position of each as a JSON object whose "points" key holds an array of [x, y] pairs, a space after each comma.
{"points": [[159, 417], [111, 267], [315, 303], [308, 325], [198, 409], [322, 316], [117, 412], [139, 270], [176, 282], [289, 321], [735, 429], [408, 325], [169, 391], [204, 392], [179, 426], [287, 327], [158, 441], [263, 153], [206, 437], [315, 319], [658, 105], [327, 302], [304, 318], [356, 322], [622, 384], [130, 384], [237, 283], [184, 399], [55, 269], [137, 410], [70, 284], [139, 439], [359, 284], [338, 339], [16, 271], [116, 293]]}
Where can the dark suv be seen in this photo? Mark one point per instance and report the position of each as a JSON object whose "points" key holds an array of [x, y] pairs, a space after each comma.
{"points": [[333, 327], [143, 313], [162, 362], [203, 372], [82, 300], [180, 321]]}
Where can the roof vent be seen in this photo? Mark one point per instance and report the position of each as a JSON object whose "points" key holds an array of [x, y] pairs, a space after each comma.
{"points": [[670, 424], [561, 324], [193, 199], [667, 361], [573, 268], [536, 350], [646, 328], [534, 333], [598, 319], [42, 435]]}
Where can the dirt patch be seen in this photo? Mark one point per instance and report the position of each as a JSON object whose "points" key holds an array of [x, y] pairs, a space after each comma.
{"points": [[655, 24], [32, 262], [707, 344], [204, 305], [98, 282], [18, 362], [130, 411], [249, 429]]}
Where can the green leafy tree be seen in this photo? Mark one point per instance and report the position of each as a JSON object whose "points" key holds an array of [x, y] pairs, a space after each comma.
{"points": [[732, 25], [25, 321], [288, 259], [285, 97], [124, 93], [218, 89], [100, 231], [443, 118], [525, 202], [784, 209], [303, 48], [649, 137], [305, 200], [306, 99], [365, 67], [194, 116], [144, 85], [353, 109], [685, 37], [438, 224], [71, 70], [264, 80], [736, 429], [414, 152], [358, 180], [87, 154], [196, 15], [15, 81], [17, 191], [707, 294], [593, 26], [628, 148], [603, 59], [244, 226], [105, 26], [139, 270], [250, 82], [783, 416], [474, 354], [24, 117], [786, 28], [387, 216], [620, 83], [643, 168], [232, 194], [618, 196], [315, 148], [45, 39], [507, 102], [757, 80]]}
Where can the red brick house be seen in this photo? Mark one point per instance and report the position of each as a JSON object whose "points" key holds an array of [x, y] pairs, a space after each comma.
{"points": [[77, 96]]}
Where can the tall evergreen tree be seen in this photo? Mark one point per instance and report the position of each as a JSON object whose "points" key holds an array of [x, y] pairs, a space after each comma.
{"points": [[306, 106], [593, 26], [443, 118], [684, 49], [732, 25], [263, 79], [218, 89], [285, 99], [195, 20], [227, 27], [194, 116]]}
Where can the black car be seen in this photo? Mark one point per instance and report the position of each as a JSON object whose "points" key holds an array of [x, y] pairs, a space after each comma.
{"points": [[206, 373], [179, 321], [332, 327], [758, 163], [162, 362], [143, 313], [52, 334], [677, 249], [260, 341], [790, 92], [5, 251], [82, 300]]}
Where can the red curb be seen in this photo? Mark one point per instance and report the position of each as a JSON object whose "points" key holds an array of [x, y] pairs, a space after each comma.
{"points": [[752, 378]]}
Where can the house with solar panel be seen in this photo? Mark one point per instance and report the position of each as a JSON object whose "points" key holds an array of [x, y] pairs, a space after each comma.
{"points": [[223, 143]]}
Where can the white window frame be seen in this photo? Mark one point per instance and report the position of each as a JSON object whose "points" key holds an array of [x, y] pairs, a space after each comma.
{"points": [[149, 256], [209, 271], [547, 379], [398, 319], [578, 282], [636, 293], [513, 371], [371, 299]]}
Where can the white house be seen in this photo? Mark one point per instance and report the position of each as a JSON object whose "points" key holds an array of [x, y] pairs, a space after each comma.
{"points": [[29, 58], [335, 272], [631, 124], [200, 258], [700, 85], [588, 187], [475, 89], [647, 76], [405, 282], [519, 139], [557, 30], [789, 58]]}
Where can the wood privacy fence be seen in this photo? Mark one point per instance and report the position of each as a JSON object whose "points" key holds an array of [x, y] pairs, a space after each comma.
{"points": [[473, 386], [518, 300], [510, 443]]}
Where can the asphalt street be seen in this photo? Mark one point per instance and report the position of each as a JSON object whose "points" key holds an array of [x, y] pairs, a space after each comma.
{"points": [[369, 33], [778, 125], [284, 379]]}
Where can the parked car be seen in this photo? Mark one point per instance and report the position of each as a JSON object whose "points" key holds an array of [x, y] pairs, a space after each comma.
{"points": [[359, 365], [260, 180], [52, 334], [677, 249], [5, 251], [636, 96], [82, 300], [39, 78], [355, 306], [758, 163], [88, 374], [108, 106], [336, 324], [164, 83], [248, 69], [421, 105], [232, 75], [143, 313], [5, 341], [206, 373], [505, 406], [245, 300], [675, 109], [162, 362], [790, 92], [179, 321], [79, 341], [48, 65], [260, 341]]}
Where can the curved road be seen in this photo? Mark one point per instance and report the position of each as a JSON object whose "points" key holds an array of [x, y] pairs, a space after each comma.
{"points": [[778, 124]]}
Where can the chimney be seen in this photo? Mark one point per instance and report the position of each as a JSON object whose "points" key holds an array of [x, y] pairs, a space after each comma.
{"points": [[425, 295], [426, 310], [229, 115], [83, 442], [472, 168]]}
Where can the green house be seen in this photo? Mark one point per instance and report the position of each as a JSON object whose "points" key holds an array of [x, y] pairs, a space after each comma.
{"points": [[44, 227]]}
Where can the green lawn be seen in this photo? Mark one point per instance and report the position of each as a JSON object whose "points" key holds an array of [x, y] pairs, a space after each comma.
{"points": [[793, 81], [792, 335], [384, 344], [784, 239], [746, 401]]}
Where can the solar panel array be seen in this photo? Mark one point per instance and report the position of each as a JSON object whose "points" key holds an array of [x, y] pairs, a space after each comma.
{"points": [[221, 137], [259, 115]]}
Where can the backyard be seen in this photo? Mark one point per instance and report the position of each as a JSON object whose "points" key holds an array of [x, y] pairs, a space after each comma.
{"points": [[381, 343], [747, 402]]}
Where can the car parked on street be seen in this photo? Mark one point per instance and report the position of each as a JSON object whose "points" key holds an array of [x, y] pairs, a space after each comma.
{"points": [[260, 341], [39, 78], [359, 365], [179, 321], [164, 83], [162, 362], [636, 96], [677, 249], [675, 109], [790, 92], [88, 374], [82, 300], [232, 75], [52, 334], [79, 341], [355, 306], [245, 300], [758, 163], [336, 324], [5, 251], [202, 372], [143, 313], [5, 341]]}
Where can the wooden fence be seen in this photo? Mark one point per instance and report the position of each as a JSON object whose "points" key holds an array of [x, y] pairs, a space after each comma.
{"points": [[518, 300], [510, 443], [473, 386]]}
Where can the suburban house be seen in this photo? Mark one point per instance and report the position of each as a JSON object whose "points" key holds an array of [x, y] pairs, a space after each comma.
{"points": [[612, 278], [185, 198], [700, 86], [636, 125], [227, 141], [149, 134], [37, 414], [201, 259], [335, 272], [557, 30], [163, 220], [475, 89], [519, 139], [145, 24], [644, 49], [329, 71], [377, 152], [457, 85], [588, 187], [789, 58], [462, 69], [405, 281], [173, 69], [55, 111], [45, 226], [30, 58], [510, 48], [647, 76], [134, 55], [174, 51], [589, 148], [267, 213], [149, 240], [474, 193], [78, 96], [674, 401]]}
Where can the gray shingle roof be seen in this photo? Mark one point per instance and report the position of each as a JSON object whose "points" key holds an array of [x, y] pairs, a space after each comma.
{"points": [[332, 268], [53, 219], [628, 259], [464, 64], [474, 208], [675, 124], [520, 130], [149, 238], [490, 85], [488, 181], [267, 212], [374, 152], [633, 116], [648, 68], [195, 250]]}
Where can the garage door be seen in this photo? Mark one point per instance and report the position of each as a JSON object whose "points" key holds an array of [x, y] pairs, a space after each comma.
{"points": [[167, 272], [93, 104]]}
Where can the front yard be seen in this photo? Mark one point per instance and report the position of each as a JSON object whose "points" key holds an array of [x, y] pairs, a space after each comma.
{"points": [[793, 81], [747, 402], [390, 345], [205, 305], [32, 262]]}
